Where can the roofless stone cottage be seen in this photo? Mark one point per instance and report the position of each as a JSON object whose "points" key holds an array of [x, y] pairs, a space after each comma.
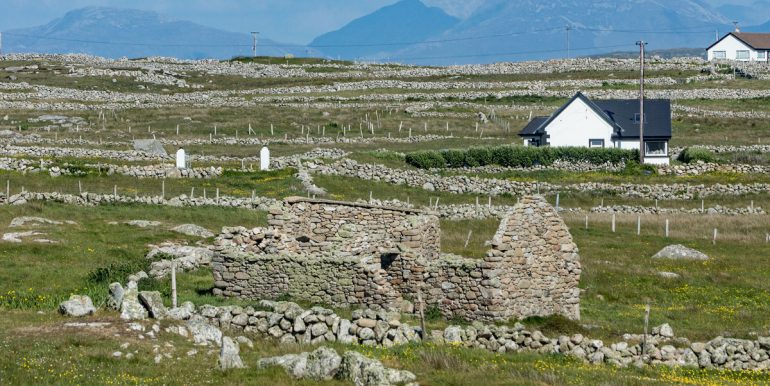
{"points": [[347, 254]]}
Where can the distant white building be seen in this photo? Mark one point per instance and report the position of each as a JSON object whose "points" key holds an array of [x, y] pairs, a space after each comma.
{"points": [[741, 46], [605, 124]]}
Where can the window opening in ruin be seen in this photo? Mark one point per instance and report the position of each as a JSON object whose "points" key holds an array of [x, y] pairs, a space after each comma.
{"points": [[387, 259]]}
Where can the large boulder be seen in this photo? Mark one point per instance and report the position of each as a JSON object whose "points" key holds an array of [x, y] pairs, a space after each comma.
{"points": [[680, 252], [130, 307], [153, 302], [193, 230], [203, 332], [116, 296], [183, 312], [77, 305], [361, 370], [228, 355], [150, 146], [294, 364], [322, 364]]}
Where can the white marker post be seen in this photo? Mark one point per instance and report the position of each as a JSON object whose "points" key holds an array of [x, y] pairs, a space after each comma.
{"points": [[264, 159], [181, 159]]}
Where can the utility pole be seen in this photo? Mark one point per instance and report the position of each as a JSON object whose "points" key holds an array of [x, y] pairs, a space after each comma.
{"points": [[254, 37], [641, 45], [1, 43], [568, 28]]}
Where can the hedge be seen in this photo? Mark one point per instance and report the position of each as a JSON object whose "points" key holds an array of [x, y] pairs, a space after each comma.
{"points": [[517, 156], [695, 154]]}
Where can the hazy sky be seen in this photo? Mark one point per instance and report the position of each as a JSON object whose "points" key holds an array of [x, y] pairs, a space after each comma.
{"points": [[295, 21]]}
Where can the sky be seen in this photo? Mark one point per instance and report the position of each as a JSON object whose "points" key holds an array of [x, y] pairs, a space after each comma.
{"points": [[291, 21]]}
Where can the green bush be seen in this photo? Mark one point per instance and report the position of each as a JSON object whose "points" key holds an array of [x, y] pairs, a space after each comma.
{"points": [[518, 156], [695, 154], [427, 159], [478, 156], [454, 158]]}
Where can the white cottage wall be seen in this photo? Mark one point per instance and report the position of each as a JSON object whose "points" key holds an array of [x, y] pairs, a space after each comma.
{"points": [[576, 125], [731, 45]]}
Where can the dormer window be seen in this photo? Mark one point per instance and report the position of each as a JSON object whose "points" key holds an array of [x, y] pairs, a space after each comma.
{"points": [[636, 118]]}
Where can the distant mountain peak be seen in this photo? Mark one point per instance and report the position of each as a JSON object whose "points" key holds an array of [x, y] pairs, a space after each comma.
{"points": [[405, 21]]}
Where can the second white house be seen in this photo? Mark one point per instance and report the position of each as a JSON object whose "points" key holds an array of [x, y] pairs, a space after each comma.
{"points": [[605, 124], [741, 46]]}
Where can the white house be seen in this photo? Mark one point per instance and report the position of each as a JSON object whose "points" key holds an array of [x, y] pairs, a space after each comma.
{"points": [[605, 124], [741, 46]]}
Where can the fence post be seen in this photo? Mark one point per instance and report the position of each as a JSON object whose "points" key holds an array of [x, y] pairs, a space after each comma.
{"points": [[173, 284], [666, 228], [586, 222], [714, 241], [468, 239], [557, 202], [613, 223], [8, 192], [638, 225], [163, 189]]}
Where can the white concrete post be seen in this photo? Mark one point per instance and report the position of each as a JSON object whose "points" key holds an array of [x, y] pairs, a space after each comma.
{"points": [[173, 284], [264, 159], [181, 161]]}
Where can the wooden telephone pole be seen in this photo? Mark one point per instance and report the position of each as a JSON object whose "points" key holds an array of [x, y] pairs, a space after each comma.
{"points": [[641, 45]]}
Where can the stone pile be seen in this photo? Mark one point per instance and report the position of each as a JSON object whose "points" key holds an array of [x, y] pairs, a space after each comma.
{"points": [[325, 364]]}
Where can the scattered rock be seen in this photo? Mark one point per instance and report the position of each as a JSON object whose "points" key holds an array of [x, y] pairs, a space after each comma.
{"points": [[143, 223], [679, 252], [669, 275], [150, 146], [184, 312], [116, 296], [153, 302], [228, 355], [130, 307], [202, 332], [77, 306], [193, 230]]}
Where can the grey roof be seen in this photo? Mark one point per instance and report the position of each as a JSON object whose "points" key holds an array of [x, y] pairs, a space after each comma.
{"points": [[533, 126], [620, 113], [623, 111]]}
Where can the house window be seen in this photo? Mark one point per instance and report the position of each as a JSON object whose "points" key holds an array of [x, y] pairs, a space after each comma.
{"points": [[720, 54], [655, 148], [742, 55], [596, 143], [636, 118], [761, 55]]}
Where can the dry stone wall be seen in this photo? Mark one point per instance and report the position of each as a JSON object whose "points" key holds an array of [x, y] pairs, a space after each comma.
{"points": [[352, 253]]}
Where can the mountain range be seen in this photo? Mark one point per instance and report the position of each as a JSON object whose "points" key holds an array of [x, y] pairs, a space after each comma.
{"points": [[117, 32], [410, 31]]}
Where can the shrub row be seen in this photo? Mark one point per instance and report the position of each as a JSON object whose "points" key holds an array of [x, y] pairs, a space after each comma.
{"points": [[517, 156], [695, 154]]}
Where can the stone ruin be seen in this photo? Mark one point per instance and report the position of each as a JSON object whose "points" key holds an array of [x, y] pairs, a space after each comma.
{"points": [[344, 254]]}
